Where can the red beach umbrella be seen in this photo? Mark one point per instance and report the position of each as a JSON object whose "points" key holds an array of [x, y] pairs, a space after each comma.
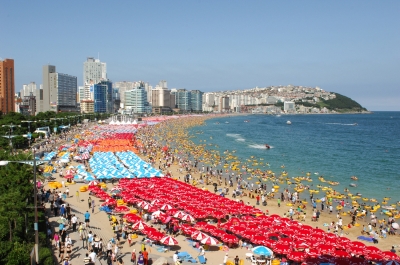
{"points": [[139, 225], [209, 241], [121, 209], [169, 241], [374, 257], [297, 256], [283, 249], [326, 249], [341, 254], [372, 250], [228, 238], [390, 255], [199, 235]]}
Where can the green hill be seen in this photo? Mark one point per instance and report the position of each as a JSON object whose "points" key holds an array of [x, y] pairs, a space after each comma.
{"points": [[341, 104]]}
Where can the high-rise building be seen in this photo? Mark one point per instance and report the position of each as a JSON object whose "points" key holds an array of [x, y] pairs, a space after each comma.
{"points": [[183, 99], [122, 87], [162, 97], [94, 71], [196, 99], [136, 100], [59, 91], [7, 86], [103, 97], [28, 89]]}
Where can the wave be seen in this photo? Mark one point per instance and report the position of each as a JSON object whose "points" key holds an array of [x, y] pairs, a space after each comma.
{"points": [[234, 135], [259, 146], [345, 124], [240, 139]]}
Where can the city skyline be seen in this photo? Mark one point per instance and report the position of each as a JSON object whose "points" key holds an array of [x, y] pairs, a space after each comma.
{"points": [[351, 48]]}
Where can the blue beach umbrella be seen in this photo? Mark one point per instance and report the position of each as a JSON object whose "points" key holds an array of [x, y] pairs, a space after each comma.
{"points": [[261, 250]]}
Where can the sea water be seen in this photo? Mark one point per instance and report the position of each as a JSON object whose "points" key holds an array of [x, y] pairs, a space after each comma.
{"points": [[335, 146]]}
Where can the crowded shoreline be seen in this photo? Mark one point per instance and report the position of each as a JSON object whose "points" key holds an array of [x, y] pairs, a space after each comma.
{"points": [[167, 147]]}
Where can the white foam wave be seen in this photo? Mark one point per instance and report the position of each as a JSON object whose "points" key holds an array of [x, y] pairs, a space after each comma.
{"points": [[240, 139], [259, 146], [234, 135]]}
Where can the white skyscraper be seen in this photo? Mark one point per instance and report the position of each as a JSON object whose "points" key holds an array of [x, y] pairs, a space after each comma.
{"points": [[94, 71], [27, 89]]}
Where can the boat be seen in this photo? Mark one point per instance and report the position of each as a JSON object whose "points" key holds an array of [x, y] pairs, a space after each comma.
{"points": [[288, 122], [353, 185], [267, 146], [227, 122]]}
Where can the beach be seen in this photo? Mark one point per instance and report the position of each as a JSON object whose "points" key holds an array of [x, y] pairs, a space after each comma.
{"points": [[168, 147]]}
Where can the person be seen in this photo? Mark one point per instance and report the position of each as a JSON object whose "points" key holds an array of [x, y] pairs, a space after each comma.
{"points": [[93, 205], [74, 221], [140, 259], [236, 260], [77, 196], [225, 259], [66, 261], [176, 259], [89, 202], [145, 256], [89, 239], [93, 256], [393, 250], [120, 261], [202, 252], [80, 230], [87, 260], [109, 248], [87, 218], [133, 256]]}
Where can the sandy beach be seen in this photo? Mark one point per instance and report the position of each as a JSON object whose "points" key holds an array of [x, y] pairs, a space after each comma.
{"points": [[181, 158]]}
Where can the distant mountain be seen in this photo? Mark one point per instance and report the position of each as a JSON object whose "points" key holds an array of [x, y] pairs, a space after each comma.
{"points": [[341, 104]]}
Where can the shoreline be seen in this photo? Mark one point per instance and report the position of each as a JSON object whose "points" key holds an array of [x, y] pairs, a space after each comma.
{"points": [[352, 233]]}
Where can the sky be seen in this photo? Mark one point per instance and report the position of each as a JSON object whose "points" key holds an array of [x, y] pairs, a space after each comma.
{"points": [[348, 47]]}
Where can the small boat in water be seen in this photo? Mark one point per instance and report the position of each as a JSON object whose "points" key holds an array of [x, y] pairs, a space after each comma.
{"points": [[227, 122], [288, 122], [267, 146], [353, 185]]}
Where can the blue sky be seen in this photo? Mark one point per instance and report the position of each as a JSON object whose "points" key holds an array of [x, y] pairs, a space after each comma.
{"points": [[349, 47]]}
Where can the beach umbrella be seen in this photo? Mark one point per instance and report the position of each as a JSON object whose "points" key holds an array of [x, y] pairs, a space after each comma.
{"points": [[169, 241], [355, 250], [372, 250], [340, 254], [269, 243], [157, 214], [209, 241], [297, 256], [179, 214], [121, 209], [261, 250], [390, 255], [93, 183], [188, 218], [140, 225], [282, 248], [391, 262], [69, 177], [314, 252], [395, 225], [326, 249], [166, 207], [374, 257], [155, 235], [229, 238], [198, 235]]}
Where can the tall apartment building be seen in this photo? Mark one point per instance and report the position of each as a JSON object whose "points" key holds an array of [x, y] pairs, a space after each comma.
{"points": [[28, 89], [162, 97], [94, 71], [183, 99], [122, 87], [196, 99], [103, 97], [7, 86], [59, 91], [136, 100]]}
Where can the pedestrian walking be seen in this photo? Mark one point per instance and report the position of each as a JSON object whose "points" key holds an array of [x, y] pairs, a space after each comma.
{"points": [[77, 196]]}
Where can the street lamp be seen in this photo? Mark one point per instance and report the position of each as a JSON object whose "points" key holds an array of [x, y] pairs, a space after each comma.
{"points": [[35, 225], [10, 130], [29, 129]]}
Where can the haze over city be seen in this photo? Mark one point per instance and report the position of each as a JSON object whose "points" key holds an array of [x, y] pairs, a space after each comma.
{"points": [[347, 47]]}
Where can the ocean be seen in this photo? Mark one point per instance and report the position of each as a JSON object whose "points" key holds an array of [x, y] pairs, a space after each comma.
{"points": [[329, 145]]}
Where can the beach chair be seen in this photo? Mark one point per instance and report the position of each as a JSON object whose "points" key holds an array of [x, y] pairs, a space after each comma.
{"points": [[202, 259]]}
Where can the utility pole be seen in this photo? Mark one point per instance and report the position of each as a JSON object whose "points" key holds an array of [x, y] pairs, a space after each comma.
{"points": [[10, 136]]}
